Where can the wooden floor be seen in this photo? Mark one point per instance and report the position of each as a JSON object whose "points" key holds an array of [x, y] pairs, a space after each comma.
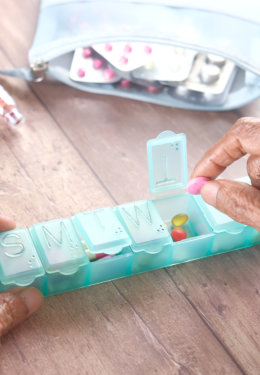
{"points": [[78, 152]]}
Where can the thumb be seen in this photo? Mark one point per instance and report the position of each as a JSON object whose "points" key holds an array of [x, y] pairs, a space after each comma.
{"points": [[16, 305], [238, 200]]}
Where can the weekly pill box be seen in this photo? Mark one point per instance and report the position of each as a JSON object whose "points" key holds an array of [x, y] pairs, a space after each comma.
{"points": [[53, 255]]}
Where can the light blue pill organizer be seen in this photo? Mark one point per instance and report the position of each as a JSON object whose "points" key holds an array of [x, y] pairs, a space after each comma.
{"points": [[54, 255]]}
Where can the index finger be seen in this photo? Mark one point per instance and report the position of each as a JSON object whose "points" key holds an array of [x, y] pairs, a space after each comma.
{"points": [[243, 138]]}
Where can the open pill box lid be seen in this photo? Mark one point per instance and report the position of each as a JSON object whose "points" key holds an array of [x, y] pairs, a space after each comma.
{"points": [[167, 168], [167, 162]]}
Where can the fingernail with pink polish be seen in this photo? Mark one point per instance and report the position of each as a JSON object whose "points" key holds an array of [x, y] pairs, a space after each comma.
{"points": [[195, 185]]}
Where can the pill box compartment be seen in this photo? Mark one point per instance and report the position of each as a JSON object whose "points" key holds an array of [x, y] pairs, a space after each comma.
{"points": [[199, 234], [62, 255], [114, 267], [229, 234], [102, 232], [150, 240]]}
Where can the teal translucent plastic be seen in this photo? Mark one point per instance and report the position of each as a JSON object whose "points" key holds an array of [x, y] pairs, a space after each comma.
{"points": [[55, 257]]}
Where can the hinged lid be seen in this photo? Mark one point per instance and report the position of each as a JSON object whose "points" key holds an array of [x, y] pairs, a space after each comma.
{"points": [[102, 231], [59, 247], [144, 226], [167, 162], [19, 261]]}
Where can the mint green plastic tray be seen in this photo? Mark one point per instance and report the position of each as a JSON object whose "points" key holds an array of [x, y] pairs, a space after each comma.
{"points": [[54, 256]]}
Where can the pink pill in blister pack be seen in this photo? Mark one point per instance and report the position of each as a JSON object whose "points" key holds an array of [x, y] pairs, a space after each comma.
{"points": [[81, 72], [128, 48], [125, 83], [138, 54], [123, 60], [148, 50], [195, 185], [109, 74], [97, 63], [87, 52], [108, 47], [88, 67], [153, 89]]}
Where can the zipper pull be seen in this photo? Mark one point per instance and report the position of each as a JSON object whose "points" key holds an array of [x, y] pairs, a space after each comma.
{"points": [[38, 69]]}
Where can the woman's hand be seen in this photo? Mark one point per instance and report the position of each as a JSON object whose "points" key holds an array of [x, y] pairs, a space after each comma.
{"points": [[19, 303], [238, 200]]}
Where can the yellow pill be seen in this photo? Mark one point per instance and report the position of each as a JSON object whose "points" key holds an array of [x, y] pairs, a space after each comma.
{"points": [[179, 220]]}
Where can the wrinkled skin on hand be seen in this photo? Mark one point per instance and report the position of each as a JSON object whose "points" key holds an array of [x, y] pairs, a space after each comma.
{"points": [[236, 199], [17, 304]]}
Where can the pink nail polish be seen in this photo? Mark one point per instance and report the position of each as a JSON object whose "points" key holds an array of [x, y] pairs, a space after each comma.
{"points": [[195, 185]]}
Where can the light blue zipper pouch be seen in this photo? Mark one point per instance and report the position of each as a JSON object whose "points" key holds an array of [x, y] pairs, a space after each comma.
{"points": [[228, 29]]}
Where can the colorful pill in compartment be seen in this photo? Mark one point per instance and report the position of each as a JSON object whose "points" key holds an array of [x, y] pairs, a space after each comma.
{"points": [[178, 234], [199, 234], [179, 219]]}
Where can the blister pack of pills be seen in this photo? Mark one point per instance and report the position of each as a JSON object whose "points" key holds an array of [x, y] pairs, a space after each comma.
{"points": [[185, 74], [209, 81], [202, 55], [113, 242]]}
